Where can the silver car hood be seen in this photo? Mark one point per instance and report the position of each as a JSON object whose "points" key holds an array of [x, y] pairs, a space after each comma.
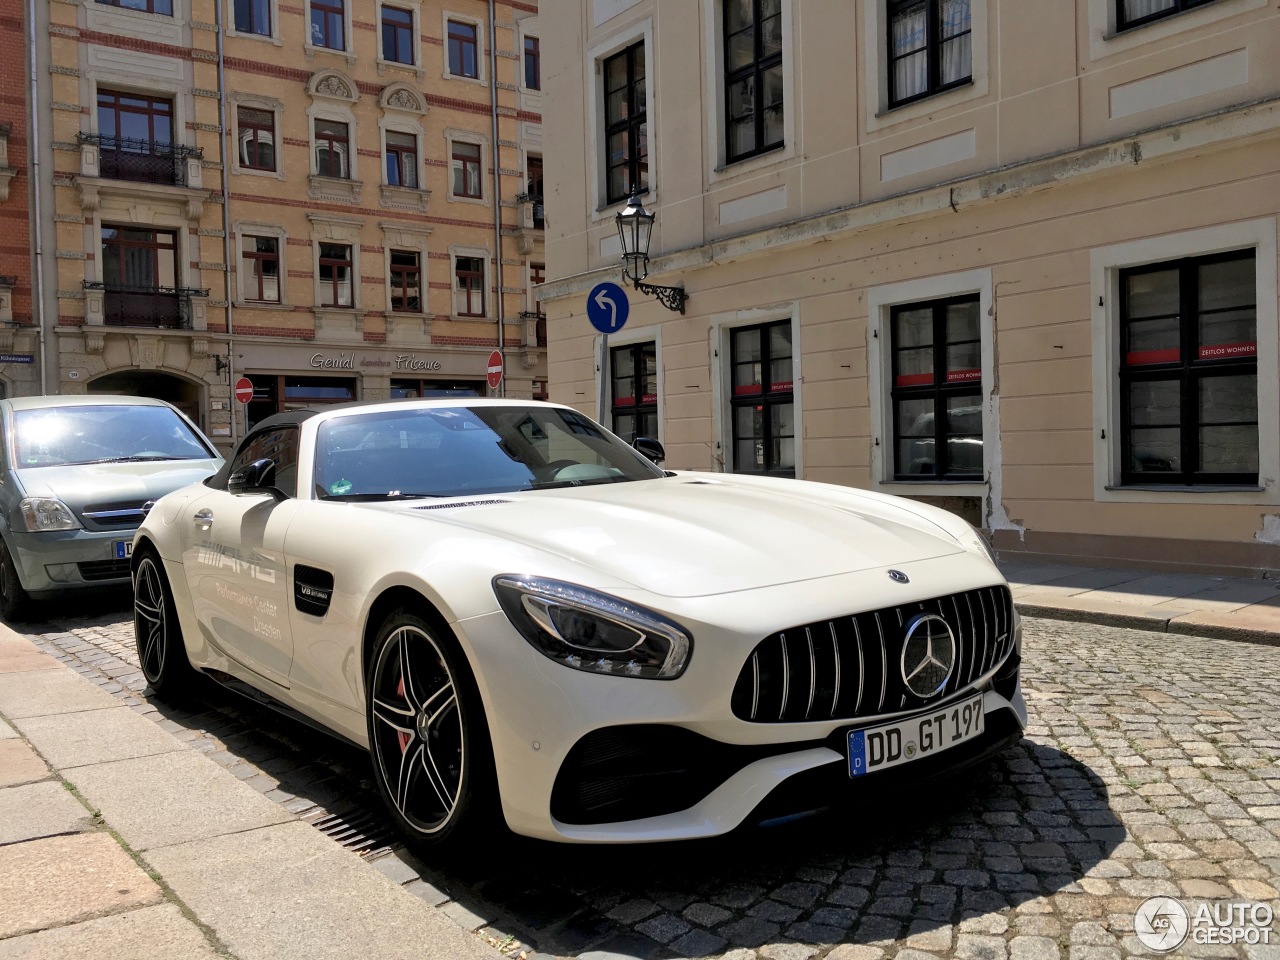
{"points": [[86, 483]]}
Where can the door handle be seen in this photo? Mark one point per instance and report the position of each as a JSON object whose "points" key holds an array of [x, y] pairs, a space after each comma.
{"points": [[203, 517]]}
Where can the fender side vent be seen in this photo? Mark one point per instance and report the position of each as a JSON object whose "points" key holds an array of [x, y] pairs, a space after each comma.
{"points": [[460, 503], [312, 589]]}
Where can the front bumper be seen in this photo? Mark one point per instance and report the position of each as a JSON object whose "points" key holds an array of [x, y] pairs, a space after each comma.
{"points": [[587, 758], [52, 563]]}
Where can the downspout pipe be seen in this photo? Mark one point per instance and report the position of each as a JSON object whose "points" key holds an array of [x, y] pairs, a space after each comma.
{"points": [[226, 220], [497, 183], [37, 206]]}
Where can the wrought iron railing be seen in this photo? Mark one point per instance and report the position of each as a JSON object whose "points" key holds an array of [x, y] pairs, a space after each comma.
{"points": [[142, 161], [128, 306], [540, 325], [537, 209]]}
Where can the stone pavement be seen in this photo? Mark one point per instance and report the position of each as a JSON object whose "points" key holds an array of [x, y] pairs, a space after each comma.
{"points": [[1151, 767]]}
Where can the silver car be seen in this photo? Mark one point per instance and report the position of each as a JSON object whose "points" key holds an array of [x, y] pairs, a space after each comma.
{"points": [[78, 475]]}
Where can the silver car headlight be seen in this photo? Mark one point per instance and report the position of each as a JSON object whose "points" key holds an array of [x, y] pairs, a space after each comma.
{"points": [[592, 631], [45, 513], [973, 541]]}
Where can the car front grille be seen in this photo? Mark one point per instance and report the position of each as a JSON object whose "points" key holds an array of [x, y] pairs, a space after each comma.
{"points": [[851, 667], [104, 570], [125, 514]]}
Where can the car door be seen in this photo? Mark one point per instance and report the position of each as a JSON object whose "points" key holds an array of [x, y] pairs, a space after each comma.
{"points": [[233, 556]]}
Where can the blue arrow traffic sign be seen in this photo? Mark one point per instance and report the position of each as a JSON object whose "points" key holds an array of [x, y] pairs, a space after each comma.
{"points": [[607, 307]]}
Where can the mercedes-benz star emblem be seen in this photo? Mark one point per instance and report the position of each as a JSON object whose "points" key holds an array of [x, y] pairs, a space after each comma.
{"points": [[928, 655], [146, 507], [897, 576]]}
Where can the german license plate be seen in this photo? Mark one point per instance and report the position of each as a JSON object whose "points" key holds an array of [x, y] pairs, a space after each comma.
{"points": [[891, 744], [124, 549]]}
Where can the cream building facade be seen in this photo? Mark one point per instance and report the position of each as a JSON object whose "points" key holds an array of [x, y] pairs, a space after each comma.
{"points": [[338, 200], [1018, 259]]}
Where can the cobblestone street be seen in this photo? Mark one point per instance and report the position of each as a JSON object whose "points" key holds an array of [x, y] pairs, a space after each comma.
{"points": [[1151, 767]]}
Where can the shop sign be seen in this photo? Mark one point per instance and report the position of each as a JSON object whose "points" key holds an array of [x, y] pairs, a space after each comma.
{"points": [[347, 361], [410, 361]]}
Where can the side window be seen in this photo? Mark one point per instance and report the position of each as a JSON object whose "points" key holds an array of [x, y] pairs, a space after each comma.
{"points": [[930, 47], [753, 76], [634, 371], [280, 445], [626, 146], [762, 403], [1137, 13]]}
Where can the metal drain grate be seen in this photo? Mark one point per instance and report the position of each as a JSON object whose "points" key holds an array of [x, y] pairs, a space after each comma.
{"points": [[359, 830]]}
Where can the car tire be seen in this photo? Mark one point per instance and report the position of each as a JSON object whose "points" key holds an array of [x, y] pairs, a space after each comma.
{"points": [[157, 633], [429, 740], [14, 601]]}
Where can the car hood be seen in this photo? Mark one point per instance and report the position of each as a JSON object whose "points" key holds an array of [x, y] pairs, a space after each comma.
{"points": [[691, 535], [87, 483]]}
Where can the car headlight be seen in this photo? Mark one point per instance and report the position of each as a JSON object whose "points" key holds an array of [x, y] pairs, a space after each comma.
{"points": [[46, 513], [592, 631], [973, 541]]}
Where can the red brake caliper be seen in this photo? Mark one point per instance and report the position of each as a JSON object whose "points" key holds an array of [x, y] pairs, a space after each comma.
{"points": [[404, 737]]}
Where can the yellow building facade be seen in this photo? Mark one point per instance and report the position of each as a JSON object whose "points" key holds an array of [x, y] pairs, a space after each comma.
{"points": [[337, 200], [1016, 259]]}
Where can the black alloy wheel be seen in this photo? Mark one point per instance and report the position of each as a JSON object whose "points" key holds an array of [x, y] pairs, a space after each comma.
{"points": [[161, 652], [14, 602], [427, 735]]}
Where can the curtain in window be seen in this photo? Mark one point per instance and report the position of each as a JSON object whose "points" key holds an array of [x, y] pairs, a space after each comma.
{"points": [[1137, 9], [911, 56], [957, 50]]}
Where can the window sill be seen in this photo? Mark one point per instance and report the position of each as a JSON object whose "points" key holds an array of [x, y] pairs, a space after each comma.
{"points": [[893, 108], [333, 188], [934, 488], [260, 305], [410, 68], [261, 38], [255, 172], [1182, 488]]}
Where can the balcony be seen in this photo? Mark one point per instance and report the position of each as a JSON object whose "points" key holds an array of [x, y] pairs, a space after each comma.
{"points": [[535, 328], [531, 224], [123, 306], [143, 161]]}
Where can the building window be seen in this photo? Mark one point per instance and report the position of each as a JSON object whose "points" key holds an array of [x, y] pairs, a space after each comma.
{"points": [[634, 396], [463, 46], [930, 48], [762, 404], [335, 275], [406, 282], [626, 128], [753, 76], [135, 121], [253, 16], [468, 294], [1189, 371], [260, 263], [402, 159], [1135, 13], [540, 391], [397, 35], [401, 389], [164, 7], [466, 170], [276, 394], [140, 277], [257, 136], [937, 389], [328, 24], [532, 64], [332, 147]]}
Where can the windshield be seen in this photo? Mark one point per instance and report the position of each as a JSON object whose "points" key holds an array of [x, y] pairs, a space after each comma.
{"points": [[64, 436], [459, 451]]}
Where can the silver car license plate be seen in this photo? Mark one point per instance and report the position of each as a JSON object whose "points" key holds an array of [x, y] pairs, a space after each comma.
{"points": [[891, 744], [123, 549]]}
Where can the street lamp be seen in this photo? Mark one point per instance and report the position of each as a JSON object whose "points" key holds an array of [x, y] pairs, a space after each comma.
{"points": [[635, 229]]}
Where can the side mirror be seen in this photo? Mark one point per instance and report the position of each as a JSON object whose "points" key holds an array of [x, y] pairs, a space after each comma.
{"points": [[650, 449], [257, 477]]}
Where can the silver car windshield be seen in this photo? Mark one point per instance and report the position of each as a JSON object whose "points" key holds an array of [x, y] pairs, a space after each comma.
{"points": [[65, 436], [460, 451]]}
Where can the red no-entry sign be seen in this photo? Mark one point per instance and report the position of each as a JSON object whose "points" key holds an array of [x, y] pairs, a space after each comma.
{"points": [[495, 370], [244, 389]]}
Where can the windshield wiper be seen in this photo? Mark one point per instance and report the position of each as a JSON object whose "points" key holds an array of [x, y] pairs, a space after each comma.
{"points": [[374, 497], [584, 482], [135, 459]]}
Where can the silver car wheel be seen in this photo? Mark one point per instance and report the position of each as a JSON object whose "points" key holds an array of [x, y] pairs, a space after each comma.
{"points": [[419, 746], [150, 619]]}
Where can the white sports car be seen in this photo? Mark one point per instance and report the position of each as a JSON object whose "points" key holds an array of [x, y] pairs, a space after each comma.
{"points": [[520, 616]]}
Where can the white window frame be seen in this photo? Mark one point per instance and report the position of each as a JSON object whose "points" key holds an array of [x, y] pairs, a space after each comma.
{"points": [[720, 326], [348, 39], [328, 110], [415, 8], [876, 69], [402, 125], [597, 169], [355, 275], [1104, 41], [413, 239], [713, 53], [528, 28], [880, 301], [452, 136], [255, 102], [487, 256], [273, 37], [604, 377], [246, 228], [482, 42], [1105, 264]]}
